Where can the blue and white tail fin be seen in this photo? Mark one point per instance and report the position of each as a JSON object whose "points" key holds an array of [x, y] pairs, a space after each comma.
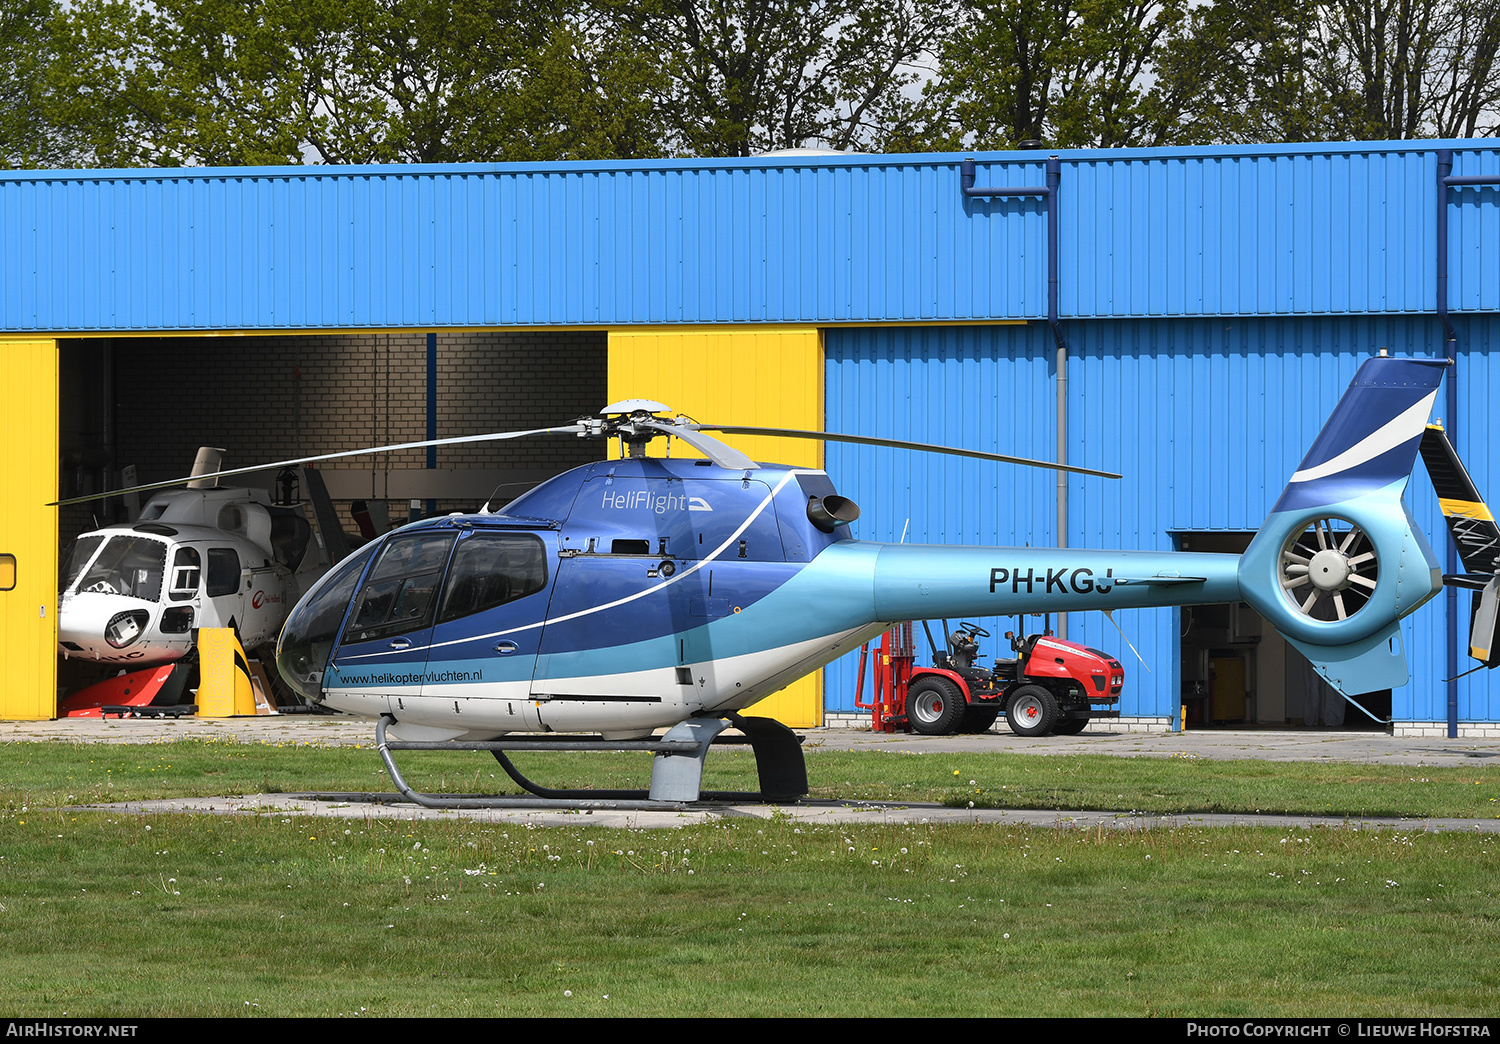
{"points": [[1339, 561]]}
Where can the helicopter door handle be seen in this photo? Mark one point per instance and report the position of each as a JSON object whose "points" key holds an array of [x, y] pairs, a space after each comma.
{"points": [[401, 643], [506, 648]]}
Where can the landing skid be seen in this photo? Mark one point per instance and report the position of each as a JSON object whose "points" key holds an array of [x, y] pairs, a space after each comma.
{"points": [[676, 772]]}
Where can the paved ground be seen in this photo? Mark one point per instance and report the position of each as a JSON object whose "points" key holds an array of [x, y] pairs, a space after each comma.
{"points": [[1266, 744], [1272, 745], [326, 806]]}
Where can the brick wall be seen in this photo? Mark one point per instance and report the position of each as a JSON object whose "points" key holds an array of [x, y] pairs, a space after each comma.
{"points": [[273, 398]]}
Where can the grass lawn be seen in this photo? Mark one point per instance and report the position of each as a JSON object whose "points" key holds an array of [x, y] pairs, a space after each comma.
{"points": [[73, 773], [104, 914]]}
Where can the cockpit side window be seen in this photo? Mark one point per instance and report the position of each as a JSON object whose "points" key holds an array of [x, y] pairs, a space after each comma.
{"points": [[187, 572], [401, 590], [128, 565], [490, 569], [223, 571]]}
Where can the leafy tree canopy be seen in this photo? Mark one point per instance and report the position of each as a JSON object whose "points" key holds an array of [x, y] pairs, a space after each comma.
{"points": [[103, 83]]}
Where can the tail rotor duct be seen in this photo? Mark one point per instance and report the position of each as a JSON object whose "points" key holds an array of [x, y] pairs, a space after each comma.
{"points": [[1329, 569]]}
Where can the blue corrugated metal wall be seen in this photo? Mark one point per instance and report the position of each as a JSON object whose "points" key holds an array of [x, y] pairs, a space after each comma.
{"points": [[1228, 231], [473, 246], [1206, 419], [1342, 231]]}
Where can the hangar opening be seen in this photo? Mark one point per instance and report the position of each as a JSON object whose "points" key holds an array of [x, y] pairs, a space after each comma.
{"points": [[135, 410], [1238, 672], [148, 403]]}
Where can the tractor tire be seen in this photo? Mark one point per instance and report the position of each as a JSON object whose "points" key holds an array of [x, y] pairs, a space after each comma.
{"points": [[1070, 726], [934, 707], [978, 719], [1031, 711]]}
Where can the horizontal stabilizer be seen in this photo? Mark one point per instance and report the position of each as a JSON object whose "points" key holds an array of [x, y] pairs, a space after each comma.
{"points": [[1159, 581], [1376, 662], [1468, 581]]}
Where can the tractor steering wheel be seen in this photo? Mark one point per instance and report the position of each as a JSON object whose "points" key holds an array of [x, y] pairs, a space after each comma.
{"points": [[975, 630]]}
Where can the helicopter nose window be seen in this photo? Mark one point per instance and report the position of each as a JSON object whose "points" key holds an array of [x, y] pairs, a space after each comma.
{"points": [[187, 568], [307, 638], [128, 565], [490, 569], [399, 594], [79, 553]]}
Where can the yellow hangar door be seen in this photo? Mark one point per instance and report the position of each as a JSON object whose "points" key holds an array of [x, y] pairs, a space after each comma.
{"points": [[28, 531], [761, 376]]}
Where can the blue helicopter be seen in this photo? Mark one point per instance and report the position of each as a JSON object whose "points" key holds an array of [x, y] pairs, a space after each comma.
{"points": [[643, 593]]}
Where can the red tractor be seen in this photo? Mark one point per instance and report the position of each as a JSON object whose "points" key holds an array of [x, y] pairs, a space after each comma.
{"points": [[1051, 685]]}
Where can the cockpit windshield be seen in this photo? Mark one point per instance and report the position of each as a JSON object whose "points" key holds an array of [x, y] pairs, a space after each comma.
{"points": [[307, 639], [128, 565], [78, 555]]}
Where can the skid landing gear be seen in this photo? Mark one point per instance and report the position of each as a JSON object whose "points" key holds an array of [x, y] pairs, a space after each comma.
{"points": [[676, 772]]}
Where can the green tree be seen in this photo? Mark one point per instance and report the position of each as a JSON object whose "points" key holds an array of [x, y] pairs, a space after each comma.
{"points": [[71, 84], [1330, 70], [746, 76], [1240, 71], [25, 137], [1065, 73], [228, 82], [1412, 68]]}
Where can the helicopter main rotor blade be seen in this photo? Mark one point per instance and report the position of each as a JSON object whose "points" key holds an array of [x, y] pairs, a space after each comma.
{"points": [[723, 455], [567, 429], [926, 447]]}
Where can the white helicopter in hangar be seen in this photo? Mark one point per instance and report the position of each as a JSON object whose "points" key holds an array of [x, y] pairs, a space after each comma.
{"points": [[133, 595], [631, 595]]}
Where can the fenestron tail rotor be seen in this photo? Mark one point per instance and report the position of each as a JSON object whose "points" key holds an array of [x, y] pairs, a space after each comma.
{"points": [[1329, 569]]}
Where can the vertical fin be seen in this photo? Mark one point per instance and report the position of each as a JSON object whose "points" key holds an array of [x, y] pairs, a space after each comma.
{"points": [[328, 520], [1339, 562]]}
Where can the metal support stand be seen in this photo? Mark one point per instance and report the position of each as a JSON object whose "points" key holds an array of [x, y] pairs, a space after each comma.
{"points": [[676, 774]]}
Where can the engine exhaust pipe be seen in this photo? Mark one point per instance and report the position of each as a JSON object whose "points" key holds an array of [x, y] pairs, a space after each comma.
{"points": [[832, 511]]}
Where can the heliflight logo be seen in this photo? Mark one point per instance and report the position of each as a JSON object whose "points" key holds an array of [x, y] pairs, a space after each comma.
{"points": [[645, 500]]}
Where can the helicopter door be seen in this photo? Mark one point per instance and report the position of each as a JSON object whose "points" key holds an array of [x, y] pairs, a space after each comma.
{"points": [[223, 602], [261, 610], [384, 649], [484, 644]]}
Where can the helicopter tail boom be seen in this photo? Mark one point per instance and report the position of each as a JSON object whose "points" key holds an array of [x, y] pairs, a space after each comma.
{"points": [[921, 582]]}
